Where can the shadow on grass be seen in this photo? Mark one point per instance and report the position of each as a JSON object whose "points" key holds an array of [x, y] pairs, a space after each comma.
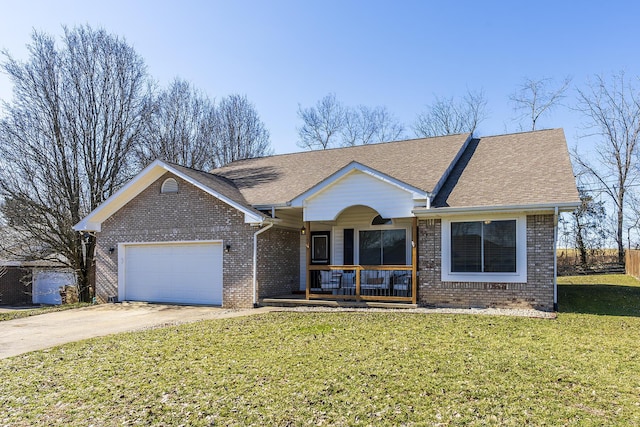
{"points": [[610, 300]]}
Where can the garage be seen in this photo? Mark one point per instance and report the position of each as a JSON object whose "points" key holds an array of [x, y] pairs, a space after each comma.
{"points": [[172, 272]]}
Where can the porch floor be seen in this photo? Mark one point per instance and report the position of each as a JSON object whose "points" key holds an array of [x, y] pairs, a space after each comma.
{"points": [[299, 300]]}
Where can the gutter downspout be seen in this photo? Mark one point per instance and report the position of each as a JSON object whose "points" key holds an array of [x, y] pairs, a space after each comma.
{"points": [[555, 259], [255, 262]]}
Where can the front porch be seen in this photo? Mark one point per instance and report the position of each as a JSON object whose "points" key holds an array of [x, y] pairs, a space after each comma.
{"points": [[361, 283], [358, 238], [383, 282]]}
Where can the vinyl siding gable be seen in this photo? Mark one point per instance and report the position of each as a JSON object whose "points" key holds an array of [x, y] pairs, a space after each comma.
{"points": [[358, 188]]}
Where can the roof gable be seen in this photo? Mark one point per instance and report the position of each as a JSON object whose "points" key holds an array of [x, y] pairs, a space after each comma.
{"points": [[388, 198], [218, 187], [278, 180], [351, 168]]}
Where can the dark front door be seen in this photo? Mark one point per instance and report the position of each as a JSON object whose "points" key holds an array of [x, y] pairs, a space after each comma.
{"points": [[320, 244]]}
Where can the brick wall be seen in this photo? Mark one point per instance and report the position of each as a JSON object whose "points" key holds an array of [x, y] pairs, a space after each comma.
{"points": [[15, 286], [536, 293], [190, 214], [278, 262]]}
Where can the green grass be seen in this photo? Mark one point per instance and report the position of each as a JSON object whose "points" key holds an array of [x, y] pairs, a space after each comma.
{"points": [[611, 294], [347, 368], [18, 314]]}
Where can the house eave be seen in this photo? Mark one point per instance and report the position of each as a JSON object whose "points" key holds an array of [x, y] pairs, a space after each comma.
{"points": [[268, 207], [88, 226], [264, 221], [530, 208]]}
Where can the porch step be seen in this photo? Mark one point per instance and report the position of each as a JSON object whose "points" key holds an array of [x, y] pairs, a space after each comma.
{"points": [[301, 302]]}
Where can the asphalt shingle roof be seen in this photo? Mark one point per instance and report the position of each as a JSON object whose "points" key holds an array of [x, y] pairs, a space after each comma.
{"points": [[420, 163], [517, 169], [219, 184], [529, 168]]}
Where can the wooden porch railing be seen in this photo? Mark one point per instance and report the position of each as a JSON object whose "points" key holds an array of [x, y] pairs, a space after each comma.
{"points": [[399, 282], [357, 282]]}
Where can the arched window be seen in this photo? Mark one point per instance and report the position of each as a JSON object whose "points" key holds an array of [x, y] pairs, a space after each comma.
{"points": [[378, 220], [169, 185]]}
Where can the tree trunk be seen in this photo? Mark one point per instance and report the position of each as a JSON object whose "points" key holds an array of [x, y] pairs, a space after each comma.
{"points": [[620, 236], [582, 249], [85, 264]]}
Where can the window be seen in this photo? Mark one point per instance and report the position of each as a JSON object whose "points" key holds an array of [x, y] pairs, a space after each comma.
{"points": [[378, 220], [320, 247], [483, 247], [169, 185], [347, 247], [383, 247]]}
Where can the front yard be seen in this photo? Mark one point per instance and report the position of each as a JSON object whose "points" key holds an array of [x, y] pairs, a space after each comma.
{"points": [[20, 313], [348, 368]]}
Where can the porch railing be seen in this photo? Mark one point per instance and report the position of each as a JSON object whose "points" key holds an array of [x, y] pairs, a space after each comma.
{"points": [[357, 282]]}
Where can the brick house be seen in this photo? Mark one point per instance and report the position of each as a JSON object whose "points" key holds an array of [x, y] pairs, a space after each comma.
{"points": [[448, 221]]}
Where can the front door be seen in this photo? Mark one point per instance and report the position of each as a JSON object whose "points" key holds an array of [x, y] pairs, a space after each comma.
{"points": [[320, 247]]}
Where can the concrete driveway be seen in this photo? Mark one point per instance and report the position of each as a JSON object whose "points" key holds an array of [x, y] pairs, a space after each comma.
{"points": [[47, 330]]}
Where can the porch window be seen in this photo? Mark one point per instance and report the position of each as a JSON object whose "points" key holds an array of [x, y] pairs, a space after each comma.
{"points": [[320, 247], [483, 247], [383, 247]]}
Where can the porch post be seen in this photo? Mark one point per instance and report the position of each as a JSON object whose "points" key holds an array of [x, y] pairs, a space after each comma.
{"points": [[358, 271], [414, 260], [307, 226]]}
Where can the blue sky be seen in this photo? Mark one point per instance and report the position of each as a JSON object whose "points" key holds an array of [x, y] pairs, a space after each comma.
{"points": [[398, 54]]}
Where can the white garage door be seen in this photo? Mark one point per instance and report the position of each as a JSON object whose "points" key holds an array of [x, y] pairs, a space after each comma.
{"points": [[185, 273]]}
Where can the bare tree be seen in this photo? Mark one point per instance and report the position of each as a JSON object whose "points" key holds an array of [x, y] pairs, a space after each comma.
{"points": [[612, 110], [77, 111], [587, 223], [181, 128], [364, 125], [321, 124], [239, 133], [632, 220], [447, 116], [331, 124], [537, 97], [388, 128]]}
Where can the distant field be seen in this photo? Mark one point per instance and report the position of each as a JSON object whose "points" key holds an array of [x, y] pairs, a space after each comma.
{"points": [[571, 252], [598, 261], [572, 256]]}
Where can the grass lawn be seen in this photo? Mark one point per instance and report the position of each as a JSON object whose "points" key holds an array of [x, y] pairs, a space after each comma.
{"points": [[348, 368], [611, 294]]}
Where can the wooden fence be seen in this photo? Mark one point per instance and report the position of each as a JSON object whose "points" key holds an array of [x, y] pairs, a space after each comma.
{"points": [[599, 261], [632, 262]]}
